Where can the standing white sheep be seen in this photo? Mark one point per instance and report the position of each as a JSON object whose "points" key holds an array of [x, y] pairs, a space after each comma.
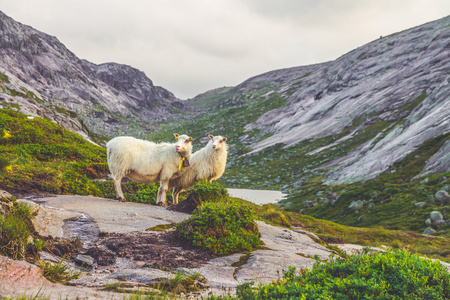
{"points": [[206, 164], [148, 162]]}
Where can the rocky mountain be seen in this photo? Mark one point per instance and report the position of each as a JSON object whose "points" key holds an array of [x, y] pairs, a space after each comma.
{"points": [[43, 77], [399, 82]]}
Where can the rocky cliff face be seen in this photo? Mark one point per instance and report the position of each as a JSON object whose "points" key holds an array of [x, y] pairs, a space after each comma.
{"points": [[104, 96], [399, 83]]}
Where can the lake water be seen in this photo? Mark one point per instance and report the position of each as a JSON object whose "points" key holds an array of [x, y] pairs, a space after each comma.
{"points": [[257, 196]]}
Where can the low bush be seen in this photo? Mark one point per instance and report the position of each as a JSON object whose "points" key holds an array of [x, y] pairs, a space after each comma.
{"points": [[204, 191], [221, 228], [16, 233], [391, 275]]}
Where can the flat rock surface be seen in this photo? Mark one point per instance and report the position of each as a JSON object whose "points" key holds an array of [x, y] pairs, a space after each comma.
{"points": [[112, 216]]}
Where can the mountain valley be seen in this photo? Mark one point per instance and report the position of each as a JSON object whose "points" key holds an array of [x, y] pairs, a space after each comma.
{"points": [[362, 140]]}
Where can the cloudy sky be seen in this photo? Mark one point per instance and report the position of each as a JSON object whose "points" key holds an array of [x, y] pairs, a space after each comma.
{"points": [[191, 46]]}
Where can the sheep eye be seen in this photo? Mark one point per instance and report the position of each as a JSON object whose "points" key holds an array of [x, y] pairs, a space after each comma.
{"points": [[220, 142], [186, 141]]}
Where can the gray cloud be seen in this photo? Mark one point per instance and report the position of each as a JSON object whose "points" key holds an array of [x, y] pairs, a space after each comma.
{"points": [[191, 46]]}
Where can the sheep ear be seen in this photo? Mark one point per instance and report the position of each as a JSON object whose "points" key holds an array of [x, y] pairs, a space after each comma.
{"points": [[211, 136], [224, 139], [190, 139], [176, 136]]}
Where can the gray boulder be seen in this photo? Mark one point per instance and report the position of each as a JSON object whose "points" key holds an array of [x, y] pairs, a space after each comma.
{"points": [[356, 205], [436, 216], [429, 231], [420, 204], [442, 196]]}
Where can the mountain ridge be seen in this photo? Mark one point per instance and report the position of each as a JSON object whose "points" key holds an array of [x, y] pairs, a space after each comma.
{"points": [[106, 96]]}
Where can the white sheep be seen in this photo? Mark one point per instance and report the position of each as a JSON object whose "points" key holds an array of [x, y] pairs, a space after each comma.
{"points": [[206, 164], [148, 162]]}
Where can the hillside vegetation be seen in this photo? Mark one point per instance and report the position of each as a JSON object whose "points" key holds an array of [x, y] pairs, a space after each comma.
{"points": [[39, 156]]}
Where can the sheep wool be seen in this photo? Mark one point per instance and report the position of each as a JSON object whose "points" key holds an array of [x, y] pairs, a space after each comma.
{"points": [[206, 164], [148, 162]]}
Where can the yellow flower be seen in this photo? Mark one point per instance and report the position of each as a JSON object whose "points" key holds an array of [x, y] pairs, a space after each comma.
{"points": [[6, 134], [8, 168]]}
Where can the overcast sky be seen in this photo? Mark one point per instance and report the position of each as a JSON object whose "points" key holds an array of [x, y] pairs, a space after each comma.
{"points": [[191, 46]]}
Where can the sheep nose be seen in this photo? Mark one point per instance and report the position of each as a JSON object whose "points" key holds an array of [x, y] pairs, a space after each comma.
{"points": [[214, 146], [177, 147]]}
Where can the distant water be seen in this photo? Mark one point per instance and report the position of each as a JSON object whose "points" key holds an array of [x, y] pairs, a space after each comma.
{"points": [[257, 196]]}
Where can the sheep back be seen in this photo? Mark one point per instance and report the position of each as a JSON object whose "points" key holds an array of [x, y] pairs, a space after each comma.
{"points": [[128, 154]]}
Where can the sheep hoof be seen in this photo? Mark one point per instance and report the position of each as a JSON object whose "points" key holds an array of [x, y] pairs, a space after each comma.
{"points": [[122, 200]]}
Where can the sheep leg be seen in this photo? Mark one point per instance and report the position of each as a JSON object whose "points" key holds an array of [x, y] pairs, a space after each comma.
{"points": [[175, 192], [118, 186], [163, 187]]}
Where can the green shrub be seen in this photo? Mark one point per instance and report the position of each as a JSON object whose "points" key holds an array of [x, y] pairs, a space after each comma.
{"points": [[221, 228], [391, 275], [204, 191], [15, 231]]}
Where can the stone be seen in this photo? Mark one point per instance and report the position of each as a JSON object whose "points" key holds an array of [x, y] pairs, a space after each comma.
{"points": [[110, 215], [356, 205], [143, 275], [6, 201], [429, 231], [20, 278], [436, 216], [309, 203], [441, 222], [6, 197], [324, 200], [84, 261], [428, 222], [34, 207], [420, 204], [442, 196]]}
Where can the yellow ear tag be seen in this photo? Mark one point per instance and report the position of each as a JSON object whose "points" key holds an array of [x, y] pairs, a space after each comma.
{"points": [[182, 159], [176, 138]]}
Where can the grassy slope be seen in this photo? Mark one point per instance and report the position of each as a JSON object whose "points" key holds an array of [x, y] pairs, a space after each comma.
{"points": [[41, 157]]}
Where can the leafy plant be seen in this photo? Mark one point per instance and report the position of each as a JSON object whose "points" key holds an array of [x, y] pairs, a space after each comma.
{"points": [[221, 228], [391, 275]]}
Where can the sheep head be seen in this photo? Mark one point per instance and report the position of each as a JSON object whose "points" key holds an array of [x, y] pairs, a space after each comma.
{"points": [[183, 144], [217, 142]]}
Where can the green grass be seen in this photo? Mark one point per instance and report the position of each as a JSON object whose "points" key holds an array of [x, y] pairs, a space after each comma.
{"points": [[58, 272], [44, 157]]}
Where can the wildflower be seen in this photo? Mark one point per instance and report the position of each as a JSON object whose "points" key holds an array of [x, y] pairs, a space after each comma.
{"points": [[6, 134]]}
